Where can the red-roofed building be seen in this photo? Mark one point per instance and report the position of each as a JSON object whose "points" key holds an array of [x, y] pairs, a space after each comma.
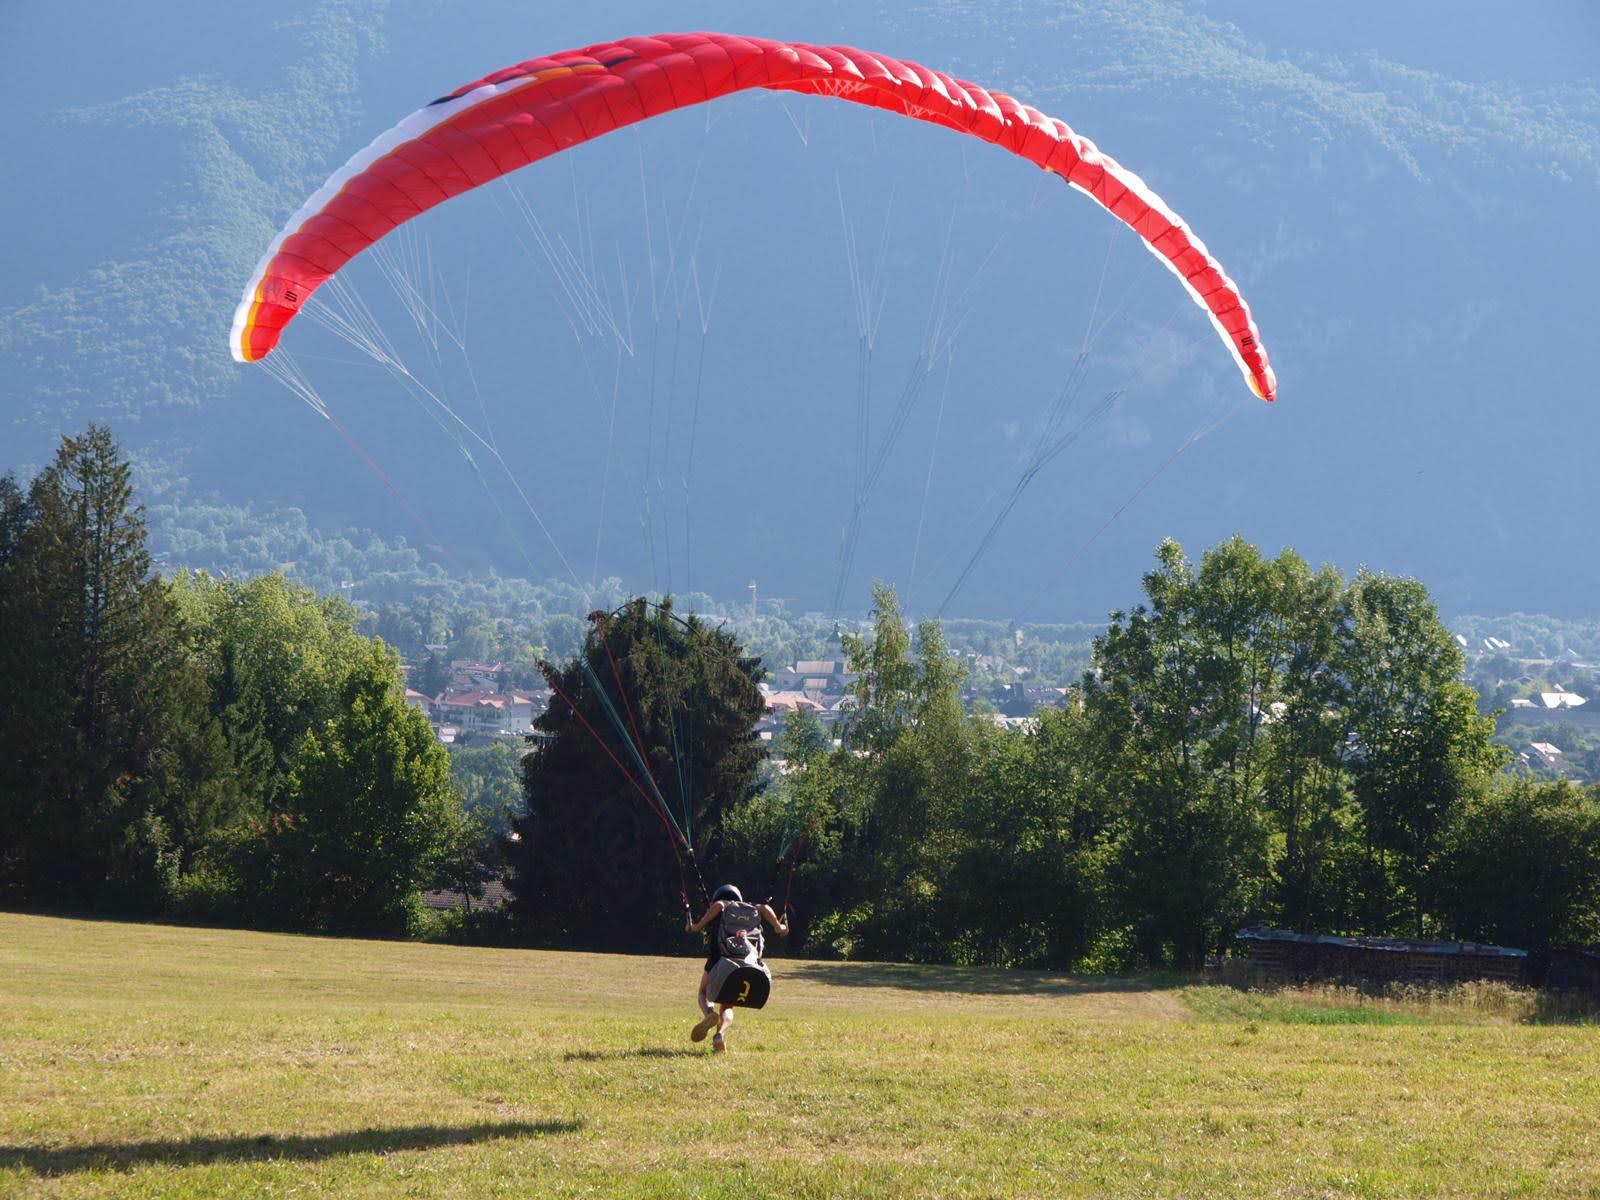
{"points": [[487, 712]]}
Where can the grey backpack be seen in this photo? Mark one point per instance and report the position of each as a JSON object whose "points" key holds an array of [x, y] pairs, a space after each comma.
{"points": [[739, 935]]}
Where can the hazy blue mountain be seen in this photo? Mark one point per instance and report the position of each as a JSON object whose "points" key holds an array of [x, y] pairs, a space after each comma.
{"points": [[1405, 192]]}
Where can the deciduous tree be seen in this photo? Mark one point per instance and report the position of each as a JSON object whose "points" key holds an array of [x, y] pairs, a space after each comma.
{"points": [[372, 811]]}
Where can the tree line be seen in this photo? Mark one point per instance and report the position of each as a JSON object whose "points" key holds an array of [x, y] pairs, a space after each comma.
{"points": [[1256, 742], [203, 747]]}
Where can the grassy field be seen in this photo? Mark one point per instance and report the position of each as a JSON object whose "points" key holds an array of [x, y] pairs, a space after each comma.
{"points": [[153, 1061]]}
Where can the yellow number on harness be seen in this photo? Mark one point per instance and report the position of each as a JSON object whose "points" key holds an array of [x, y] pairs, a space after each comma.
{"points": [[744, 992]]}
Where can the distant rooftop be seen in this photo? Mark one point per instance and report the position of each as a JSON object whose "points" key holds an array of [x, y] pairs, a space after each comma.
{"points": [[1561, 699]]}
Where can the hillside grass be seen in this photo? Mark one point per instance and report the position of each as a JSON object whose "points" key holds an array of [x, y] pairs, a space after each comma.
{"points": [[140, 1060]]}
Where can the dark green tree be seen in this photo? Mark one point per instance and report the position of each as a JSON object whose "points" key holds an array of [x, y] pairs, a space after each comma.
{"points": [[593, 863], [14, 513], [432, 675], [114, 770], [1520, 865], [17, 617]]}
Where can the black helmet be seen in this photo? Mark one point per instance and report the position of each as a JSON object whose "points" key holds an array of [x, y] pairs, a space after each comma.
{"points": [[727, 892]]}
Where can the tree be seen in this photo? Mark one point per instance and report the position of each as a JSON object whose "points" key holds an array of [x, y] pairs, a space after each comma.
{"points": [[1306, 787], [396, 625], [802, 739], [1422, 748], [787, 830], [478, 636], [490, 781], [14, 516], [17, 617], [1175, 707], [563, 635], [1279, 745], [108, 796], [432, 675], [951, 839], [346, 808], [1520, 865], [1070, 826], [373, 811], [276, 655], [470, 856], [648, 744], [995, 850], [897, 682], [897, 772]]}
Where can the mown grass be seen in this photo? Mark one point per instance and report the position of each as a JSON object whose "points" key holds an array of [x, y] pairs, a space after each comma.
{"points": [[152, 1061]]}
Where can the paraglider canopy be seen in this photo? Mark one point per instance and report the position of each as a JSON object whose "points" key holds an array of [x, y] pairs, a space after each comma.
{"points": [[537, 108]]}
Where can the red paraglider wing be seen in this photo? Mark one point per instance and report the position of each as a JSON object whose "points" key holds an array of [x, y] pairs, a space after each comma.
{"points": [[538, 108]]}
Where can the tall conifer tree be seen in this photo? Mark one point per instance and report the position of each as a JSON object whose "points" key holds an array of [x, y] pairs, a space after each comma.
{"points": [[113, 768]]}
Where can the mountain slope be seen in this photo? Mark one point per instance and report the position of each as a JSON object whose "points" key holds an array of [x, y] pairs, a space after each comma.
{"points": [[1409, 217]]}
